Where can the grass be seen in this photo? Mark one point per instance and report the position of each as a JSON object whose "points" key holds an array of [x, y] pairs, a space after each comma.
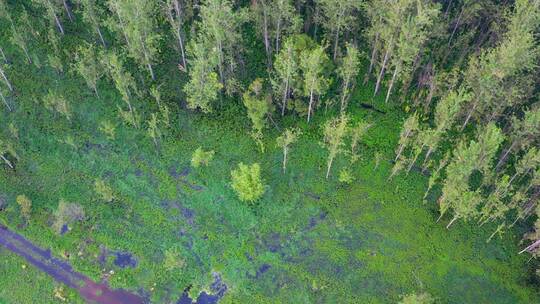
{"points": [[324, 242]]}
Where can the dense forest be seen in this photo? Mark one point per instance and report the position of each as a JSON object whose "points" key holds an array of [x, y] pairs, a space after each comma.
{"points": [[273, 151]]}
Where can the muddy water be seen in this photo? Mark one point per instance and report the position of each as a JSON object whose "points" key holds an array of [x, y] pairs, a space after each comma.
{"points": [[62, 272]]}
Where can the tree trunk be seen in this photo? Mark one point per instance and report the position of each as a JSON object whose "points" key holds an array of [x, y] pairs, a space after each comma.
{"points": [[285, 95], [3, 55], [428, 154], [182, 51], [58, 24], [5, 101], [68, 11], [455, 27], [151, 71], [451, 222], [6, 80], [310, 105], [278, 33], [25, 50], [284, 158], [266, 39], [98, 30], [381, 74], [7, 161], [329, 166], [502, 159], [469, 114], [343, 95], [336, 42], [372, 61], [391, 85]]}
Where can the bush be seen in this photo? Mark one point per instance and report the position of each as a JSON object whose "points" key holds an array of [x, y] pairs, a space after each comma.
{"points": [[25, 204], [201, 158], [422, 298], [247, 182], [103, 190], [345, 176], [67, 213]]}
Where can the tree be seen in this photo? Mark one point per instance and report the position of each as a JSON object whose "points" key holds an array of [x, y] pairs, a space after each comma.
{"points": [[201, 158], [137, 22], [54, 58], [258, 108], [52, 9], [124, 83], [153, 130], [312, 63], [357, 132], [21, 34], [335, 131], [6, 80], [247, 182], [178, 13], [25, 205], [88, 65], [457, 193], [219, 27], [274, 19], [338, 17], [203, 86], [412, 35], [285, 140], [286, 72], [500, 77], [91, 13], [524, 133], [348, 71], [410, 126]]}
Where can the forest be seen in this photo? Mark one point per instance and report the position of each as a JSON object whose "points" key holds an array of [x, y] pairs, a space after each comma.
{"points": [[269, 151]]}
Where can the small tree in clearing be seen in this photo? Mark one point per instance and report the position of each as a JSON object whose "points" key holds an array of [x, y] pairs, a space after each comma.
{"points": [[335, 131], [286, 139], [247, 182], [201, 157], [26, 206]]}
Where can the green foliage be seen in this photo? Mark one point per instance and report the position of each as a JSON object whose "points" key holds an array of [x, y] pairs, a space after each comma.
{"points": [[315, 82], [335, 131], [421, 298], [25, 205], [346, 176], [88, 65], [103, 190], [201, 158], [57, 103], [247, 182], [173, 259], [285, 140], [203, 86]]}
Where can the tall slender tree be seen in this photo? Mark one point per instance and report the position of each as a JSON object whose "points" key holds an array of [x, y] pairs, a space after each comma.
{"points": [[315, 81], [92, 13], [348, 71]]}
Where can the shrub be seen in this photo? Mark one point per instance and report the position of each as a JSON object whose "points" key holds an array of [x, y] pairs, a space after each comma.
{"points": [[67, 213], [103, 190], [247, 182], [422, 298], [201, 158], [25, 204], [173, 259], [345, 176]]}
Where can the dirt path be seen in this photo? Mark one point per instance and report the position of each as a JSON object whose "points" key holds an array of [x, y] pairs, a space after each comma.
{"points": [[63, 272]]}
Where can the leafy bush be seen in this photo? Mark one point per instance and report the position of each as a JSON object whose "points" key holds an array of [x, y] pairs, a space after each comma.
{"points": [[345, 176], [103, 190], [25, 204], [247, 182], [422, 298], [201, 157]]}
